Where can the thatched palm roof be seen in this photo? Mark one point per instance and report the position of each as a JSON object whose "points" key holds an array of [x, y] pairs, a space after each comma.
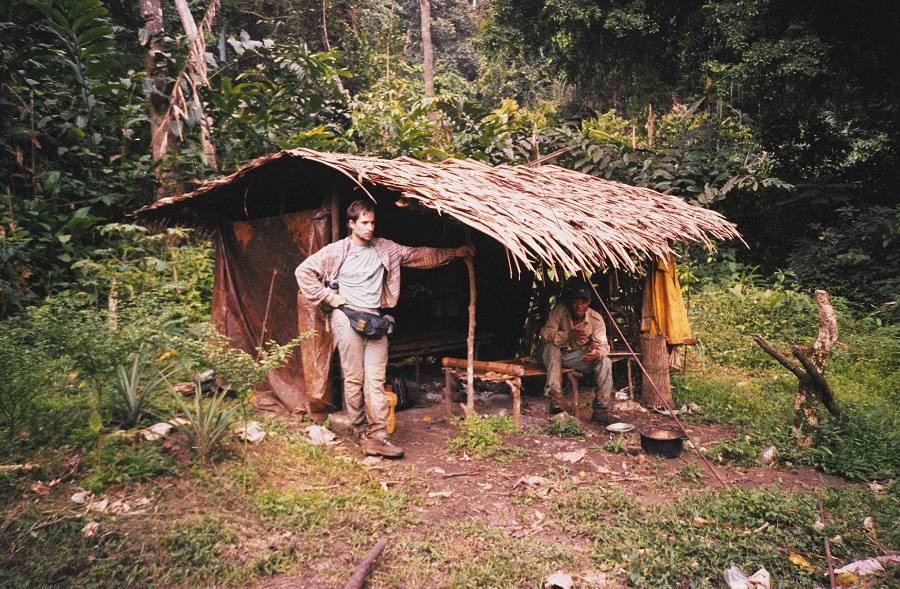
{"points": [[543, 214]]}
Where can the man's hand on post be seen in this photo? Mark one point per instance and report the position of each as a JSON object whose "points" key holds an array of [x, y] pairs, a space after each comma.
{"points": [[464, 251]]}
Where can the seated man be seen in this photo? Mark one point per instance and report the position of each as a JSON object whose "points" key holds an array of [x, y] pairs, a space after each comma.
{"points": [[574, 336]]}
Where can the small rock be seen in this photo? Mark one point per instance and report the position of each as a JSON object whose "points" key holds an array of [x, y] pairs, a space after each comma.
{"points": [[440, 494], [572, 457], [869, 523], [767, 456], [82, 497], [558, 580]]}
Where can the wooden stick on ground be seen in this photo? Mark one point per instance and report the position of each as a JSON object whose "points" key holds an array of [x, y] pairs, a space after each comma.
{"points": [[366, 565], [827, 544], [470, 340]]}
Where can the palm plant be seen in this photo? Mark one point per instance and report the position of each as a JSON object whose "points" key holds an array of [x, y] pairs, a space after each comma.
{"points": [[132, 390], [208, 421]]}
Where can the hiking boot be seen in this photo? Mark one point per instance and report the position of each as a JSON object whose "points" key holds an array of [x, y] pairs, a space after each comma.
{"points": [[556, 403], [600, 415], [381, 447]]}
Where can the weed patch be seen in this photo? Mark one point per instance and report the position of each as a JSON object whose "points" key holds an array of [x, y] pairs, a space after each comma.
{"points": [[564, 428], [481, 436], [197, 550], [121, 462]]}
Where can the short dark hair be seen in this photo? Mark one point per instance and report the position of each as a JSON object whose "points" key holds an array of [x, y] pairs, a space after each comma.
{"points": [[358, 207]]}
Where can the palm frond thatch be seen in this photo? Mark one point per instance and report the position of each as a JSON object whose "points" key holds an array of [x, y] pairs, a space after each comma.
{"points": [[542, 215]]}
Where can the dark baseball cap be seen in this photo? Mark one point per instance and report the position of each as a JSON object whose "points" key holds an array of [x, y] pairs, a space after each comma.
{"points": [[577, 289]]}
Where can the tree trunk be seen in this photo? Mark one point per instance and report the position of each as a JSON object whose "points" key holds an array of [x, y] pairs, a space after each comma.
{"points": [[655, 358], [156, 63], [427, 50]]}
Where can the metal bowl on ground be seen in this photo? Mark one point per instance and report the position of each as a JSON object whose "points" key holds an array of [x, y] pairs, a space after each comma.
{"points": [[662, 442], [620, 427]]}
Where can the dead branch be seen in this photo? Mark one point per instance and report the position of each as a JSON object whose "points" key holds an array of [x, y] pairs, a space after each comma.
{"points": [[366, 565], [826, 395], [770, 350]]}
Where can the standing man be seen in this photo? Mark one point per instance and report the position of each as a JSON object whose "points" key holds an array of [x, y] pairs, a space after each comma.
{"points": [[574, 336], [362, 273]]}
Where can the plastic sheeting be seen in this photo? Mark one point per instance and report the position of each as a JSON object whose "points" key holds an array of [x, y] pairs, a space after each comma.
{"points": [[251, 256]]}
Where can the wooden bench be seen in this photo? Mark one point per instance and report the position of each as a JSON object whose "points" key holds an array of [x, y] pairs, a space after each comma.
{"points": [[513, 371]]}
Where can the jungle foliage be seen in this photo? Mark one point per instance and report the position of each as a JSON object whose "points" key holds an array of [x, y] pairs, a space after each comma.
{"points": [[785, 117]]}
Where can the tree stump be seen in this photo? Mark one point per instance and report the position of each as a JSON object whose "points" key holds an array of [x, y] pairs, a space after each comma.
{"points": [[655, 358], [812, 387]]}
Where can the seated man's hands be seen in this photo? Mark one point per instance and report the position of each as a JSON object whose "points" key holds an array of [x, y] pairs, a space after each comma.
{"points": [[579, 335], [593, 354]]}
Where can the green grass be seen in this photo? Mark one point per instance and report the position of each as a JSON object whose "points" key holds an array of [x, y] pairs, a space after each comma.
{"points": [[471, 554], [736, 383], [121, 461], [689, 543]]}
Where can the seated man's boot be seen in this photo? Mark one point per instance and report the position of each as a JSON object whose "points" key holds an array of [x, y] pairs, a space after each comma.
{"points": [[600, 415], [381, 447], [556, 402]]}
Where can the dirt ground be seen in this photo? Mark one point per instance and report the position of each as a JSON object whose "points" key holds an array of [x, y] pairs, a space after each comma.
{"points": [[459, 487]]}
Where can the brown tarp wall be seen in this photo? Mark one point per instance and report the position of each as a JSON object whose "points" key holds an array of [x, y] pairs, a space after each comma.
{"points": [[248, 255]]}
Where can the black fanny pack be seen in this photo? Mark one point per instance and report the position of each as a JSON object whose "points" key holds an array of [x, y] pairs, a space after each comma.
{"points": [[369, 325]]}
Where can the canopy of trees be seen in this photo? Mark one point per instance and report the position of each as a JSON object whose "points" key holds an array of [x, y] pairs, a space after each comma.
{"points": [[784, 116]]}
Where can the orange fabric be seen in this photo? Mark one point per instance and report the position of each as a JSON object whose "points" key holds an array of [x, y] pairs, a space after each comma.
{"points": [[664, 312]]}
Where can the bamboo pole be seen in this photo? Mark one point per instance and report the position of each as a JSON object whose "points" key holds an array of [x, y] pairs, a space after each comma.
{"points": [[653, 385]]}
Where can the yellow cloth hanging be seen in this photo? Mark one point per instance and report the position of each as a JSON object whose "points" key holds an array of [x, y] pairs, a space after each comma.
{"points": [[664, 312]]}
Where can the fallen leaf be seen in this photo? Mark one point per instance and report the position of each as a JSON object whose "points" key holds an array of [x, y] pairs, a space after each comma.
{"points": [[90, 530], [801, 562], [869, 523], [39, 488]]}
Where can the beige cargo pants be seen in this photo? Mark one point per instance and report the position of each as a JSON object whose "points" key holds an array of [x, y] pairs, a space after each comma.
{"points": [[363, 366]]}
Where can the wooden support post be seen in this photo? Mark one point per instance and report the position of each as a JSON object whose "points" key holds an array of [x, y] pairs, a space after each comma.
{"points": [[656, 362], [470, 339], [335, 216]]}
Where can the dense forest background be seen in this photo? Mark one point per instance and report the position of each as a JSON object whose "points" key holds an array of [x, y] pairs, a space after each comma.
{"points": [[784, 116]]}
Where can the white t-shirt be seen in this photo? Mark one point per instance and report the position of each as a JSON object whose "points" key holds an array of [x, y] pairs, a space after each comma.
{"points": [[361, 277]]}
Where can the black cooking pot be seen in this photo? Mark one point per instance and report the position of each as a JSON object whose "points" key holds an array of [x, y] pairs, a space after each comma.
{"points": [[662, 442]]}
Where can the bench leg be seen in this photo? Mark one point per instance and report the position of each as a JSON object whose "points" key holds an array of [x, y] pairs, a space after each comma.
{"points": [[448, 382], [516, 385]]}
